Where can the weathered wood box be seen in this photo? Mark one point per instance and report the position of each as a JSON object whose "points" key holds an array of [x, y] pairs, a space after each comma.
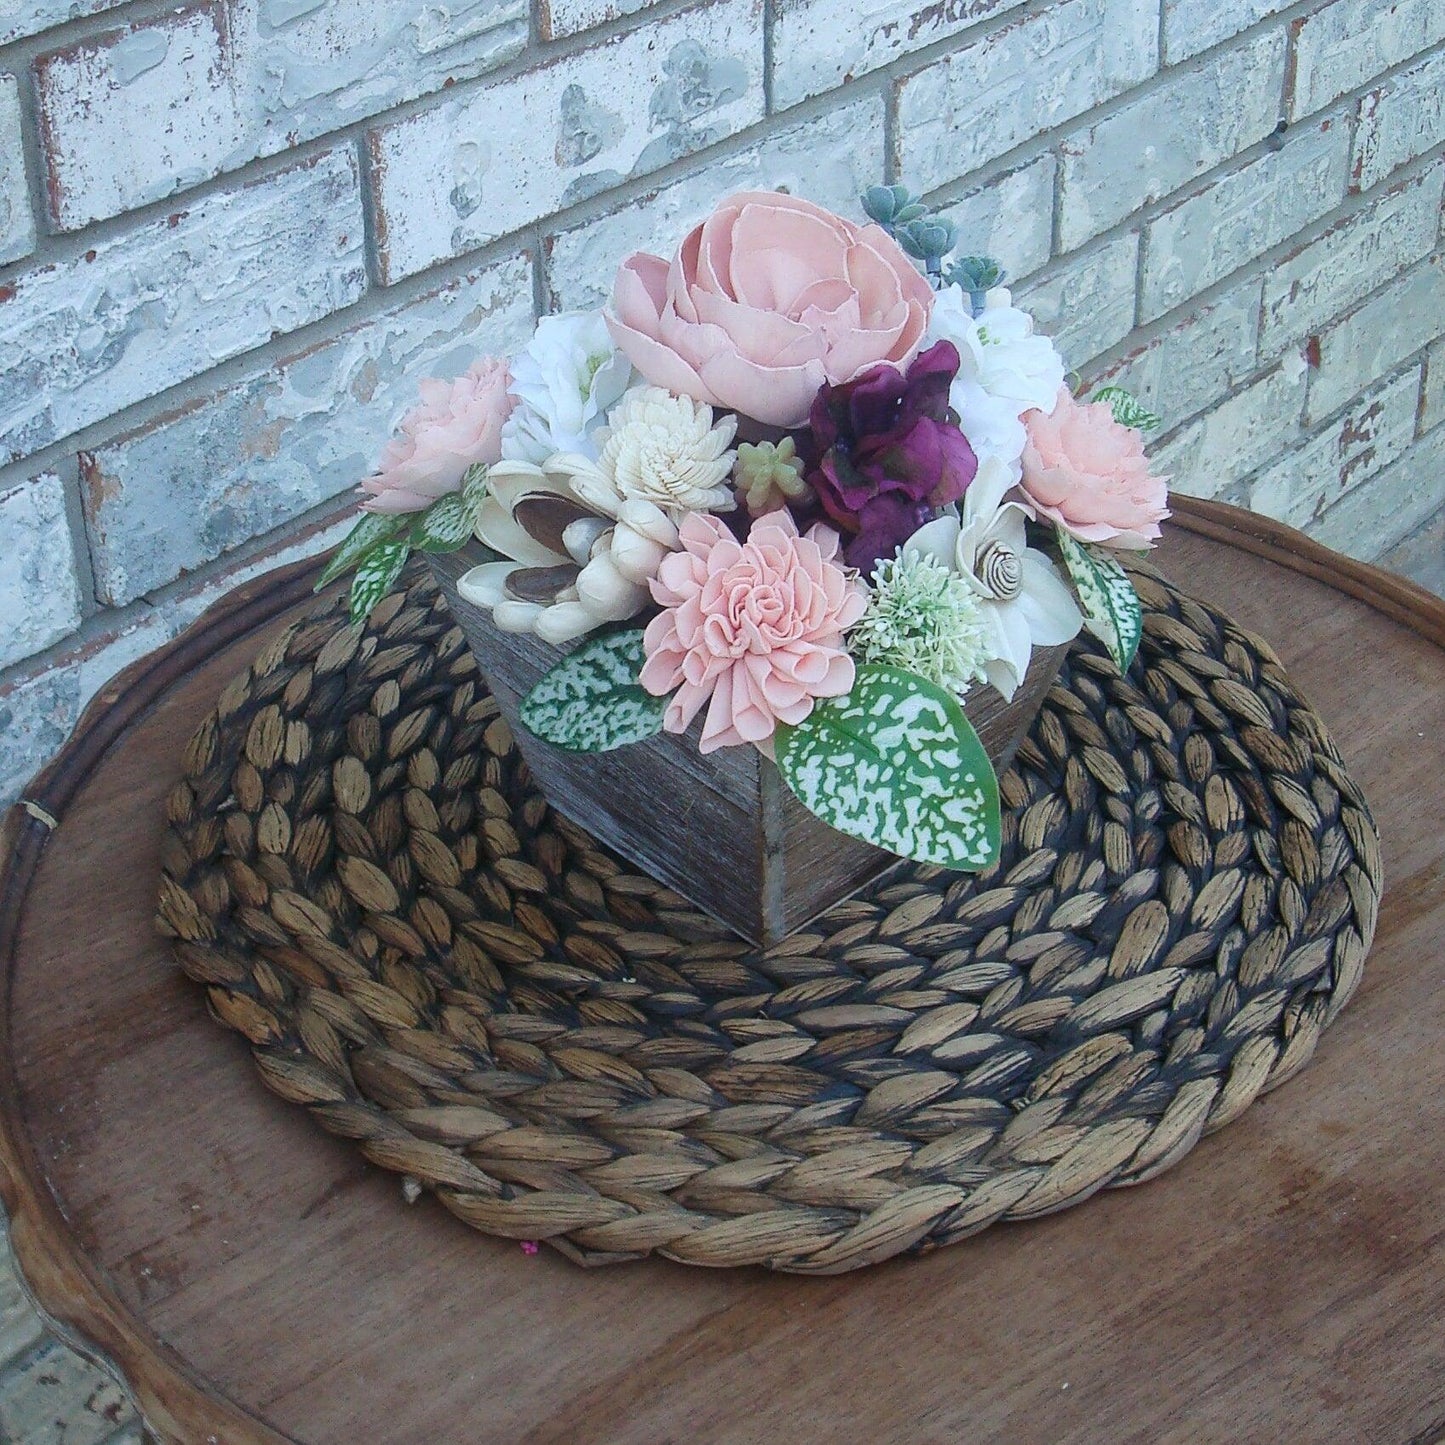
{"points": [[723, 830]]}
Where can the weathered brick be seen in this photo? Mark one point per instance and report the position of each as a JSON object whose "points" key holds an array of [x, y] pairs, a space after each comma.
{"points": [[28, 17], [1376, 337], [1345, 45], [1087, 303], [17, 222], [1350, 259], [1432, 401], [461, 173], [816, 47], [143, 310], [1398, 502], [1420, 554], [56, 1398], [1010, 217], [1030, 75], [1150, 147], [830, 160], [1228, 222], [556, 18], [1402, 119], [135, 114], [39, 590], [20, 1327], [1239, 436], [1194, 25], [1375, 431], [286, 438], [1199, 359]]}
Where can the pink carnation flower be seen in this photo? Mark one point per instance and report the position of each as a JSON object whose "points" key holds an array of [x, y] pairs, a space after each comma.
{"points": [[457, 425], [766, 301], [1090, 475], [756, 626]]}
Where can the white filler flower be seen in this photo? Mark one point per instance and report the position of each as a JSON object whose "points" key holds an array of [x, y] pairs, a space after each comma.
{"points": [[1024, 602], [565, 380]]}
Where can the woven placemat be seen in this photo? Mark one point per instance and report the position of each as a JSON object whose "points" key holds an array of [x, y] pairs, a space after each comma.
{"points": [[435, 965]]}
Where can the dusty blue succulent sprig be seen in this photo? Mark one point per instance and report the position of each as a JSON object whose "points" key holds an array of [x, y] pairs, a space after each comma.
{"points": [[976, 275], [923, 233]]}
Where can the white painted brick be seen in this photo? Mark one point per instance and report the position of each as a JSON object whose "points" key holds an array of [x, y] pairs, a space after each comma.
{"points": [[1151, 146], [1032, 74], [830, 160], [20, 1327], [167, 300], [1394, 505], [456, 176], [286, 438], [1350, 259], [29, 17], [1420, 554], [17, 222], [1087, 304], [1228, 222], [1376, 337], [1010, 217], [1374, 432], [1237, 437], [1432, 402], [39, 590], [817, 47], [56, 1398], [558, 18], [1199, 359], [1346, 44], [135, 114], [1403, 119], [1194, 25]]}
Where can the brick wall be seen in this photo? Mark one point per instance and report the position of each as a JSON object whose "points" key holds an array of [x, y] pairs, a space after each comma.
{"points": [[233, 233]]}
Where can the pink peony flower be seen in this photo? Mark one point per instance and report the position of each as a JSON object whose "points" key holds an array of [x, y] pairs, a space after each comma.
{"points": [[756, 626], [765, 302], [1090, 475], [457, 425]]}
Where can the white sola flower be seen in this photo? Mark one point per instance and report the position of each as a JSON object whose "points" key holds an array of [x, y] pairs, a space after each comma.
{"points": [[565, 379], [661, 449], [1005, 369]]}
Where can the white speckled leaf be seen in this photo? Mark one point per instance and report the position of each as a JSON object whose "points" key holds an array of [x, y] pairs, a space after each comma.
{"points": [[591, 701], [446, 525], [1127, 410], [370, 531], [897, 764], [1108, 599], [376, 575]]}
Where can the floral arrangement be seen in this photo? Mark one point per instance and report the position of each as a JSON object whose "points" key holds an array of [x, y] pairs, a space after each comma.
{"points": [[806, 480]]}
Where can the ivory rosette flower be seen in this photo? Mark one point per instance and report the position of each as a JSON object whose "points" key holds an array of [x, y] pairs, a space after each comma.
{"points": [[1023, 602], [564, 381], [754, 629], [572, 567], [457, 424], [662, 449], [767, 300], [1089, 474]]}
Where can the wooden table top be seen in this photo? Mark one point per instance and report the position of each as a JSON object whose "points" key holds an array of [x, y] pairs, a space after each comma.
{"points": [[257, 1281]]}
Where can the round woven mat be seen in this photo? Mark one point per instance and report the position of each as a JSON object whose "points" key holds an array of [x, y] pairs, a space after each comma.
{"points": [[434, 964]]}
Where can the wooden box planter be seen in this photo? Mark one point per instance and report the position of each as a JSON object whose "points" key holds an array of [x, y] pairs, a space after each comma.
{"points": [[723, 830]]}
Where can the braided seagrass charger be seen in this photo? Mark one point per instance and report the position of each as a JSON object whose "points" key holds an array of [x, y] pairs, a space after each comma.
{"points": [[434, 964]]}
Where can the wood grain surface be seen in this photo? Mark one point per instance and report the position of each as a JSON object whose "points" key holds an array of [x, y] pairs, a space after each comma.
{"points": [[258, 1282]]}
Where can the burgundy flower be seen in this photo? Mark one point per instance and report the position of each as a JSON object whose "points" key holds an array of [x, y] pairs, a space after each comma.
{"points": [[884, 455]]}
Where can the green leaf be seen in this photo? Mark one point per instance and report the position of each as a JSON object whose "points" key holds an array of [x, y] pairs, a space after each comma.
{"points": [[474, 485], [1112, 611], [376, 576], [897, 764], [1127, 411], [591, 701], [371, 531], [445, 526]]}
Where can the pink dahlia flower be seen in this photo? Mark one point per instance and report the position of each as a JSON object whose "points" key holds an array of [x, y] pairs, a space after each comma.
{"points": [[1086, 472], [457, 425], [755, 626], [769, 299]]}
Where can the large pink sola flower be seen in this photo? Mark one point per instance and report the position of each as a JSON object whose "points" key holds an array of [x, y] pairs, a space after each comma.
{"points": [[767, 300], [457, 425], [755, 626], [1086, 472]]}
